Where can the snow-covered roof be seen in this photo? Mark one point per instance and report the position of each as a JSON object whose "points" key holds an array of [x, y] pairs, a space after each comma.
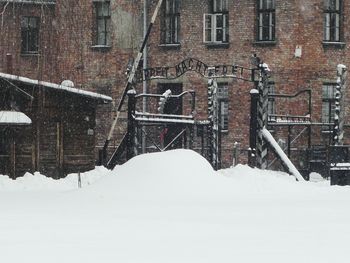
{"points": [[81, 92], [14, 118], [46, 2]]}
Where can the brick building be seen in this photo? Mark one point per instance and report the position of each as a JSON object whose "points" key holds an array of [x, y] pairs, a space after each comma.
{"points": [[301, 41], [91, 43]]}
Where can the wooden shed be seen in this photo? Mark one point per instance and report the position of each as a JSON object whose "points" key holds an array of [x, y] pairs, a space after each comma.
{"points": [[46, 127]]}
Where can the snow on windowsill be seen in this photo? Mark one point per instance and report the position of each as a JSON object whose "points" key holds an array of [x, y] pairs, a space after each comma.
{"points": [[30, 54], [265, 43], [217, 44], [101, 47], [170, 45], [333, 44]]}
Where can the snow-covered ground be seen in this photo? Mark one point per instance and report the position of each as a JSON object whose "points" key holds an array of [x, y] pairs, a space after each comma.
{"points": [[172, 207]]}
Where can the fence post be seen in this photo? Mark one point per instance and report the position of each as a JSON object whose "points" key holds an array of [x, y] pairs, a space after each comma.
{"points": [[79, 180], [131, 124], [253, 129], [235, 154]]}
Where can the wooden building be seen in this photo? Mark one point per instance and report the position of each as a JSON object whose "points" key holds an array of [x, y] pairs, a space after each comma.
{"points": [[46, 127]]}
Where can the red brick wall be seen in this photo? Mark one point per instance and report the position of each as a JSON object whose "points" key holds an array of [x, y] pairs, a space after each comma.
{"points": [[67, 38], [297, 23]]}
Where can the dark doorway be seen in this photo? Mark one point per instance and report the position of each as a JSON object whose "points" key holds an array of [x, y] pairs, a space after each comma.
{"points": [[16, 151], [51, 151], [5, 151], [172, 106]]}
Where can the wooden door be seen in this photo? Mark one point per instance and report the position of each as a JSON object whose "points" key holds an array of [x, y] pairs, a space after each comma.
{"points": [[50, 149]]}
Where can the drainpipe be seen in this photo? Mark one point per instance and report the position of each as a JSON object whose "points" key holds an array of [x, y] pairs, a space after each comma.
{"points": [[144, 90]]}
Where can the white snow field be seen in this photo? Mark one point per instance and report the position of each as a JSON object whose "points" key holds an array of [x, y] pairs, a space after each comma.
{"points": [[172, 207]]}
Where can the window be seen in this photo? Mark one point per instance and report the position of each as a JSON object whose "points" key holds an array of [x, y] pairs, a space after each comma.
{"points": [[219, 6], [222, 95], [328, 102], [271, 107], [103, 23], [332, 17], [170, 27], [266, 20], [216, 23], [30, 34]]}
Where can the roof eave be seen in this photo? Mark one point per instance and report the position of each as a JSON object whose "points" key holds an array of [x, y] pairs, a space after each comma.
{"points": [[89, 94], [33, 2]]}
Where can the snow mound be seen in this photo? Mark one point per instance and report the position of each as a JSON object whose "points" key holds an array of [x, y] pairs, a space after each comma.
{"points": [[184, 176], [176, 174], [171, 175], [39, 182]]}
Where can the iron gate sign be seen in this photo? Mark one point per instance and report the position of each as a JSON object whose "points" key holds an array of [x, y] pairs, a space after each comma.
{"points": [[192, 64]]}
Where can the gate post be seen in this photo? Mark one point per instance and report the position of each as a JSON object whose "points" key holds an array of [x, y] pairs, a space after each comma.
{"points": [[131, 124], [253, 129], [263, 88], [338, 129], [213, 119], [218, 135], [210, 117]]}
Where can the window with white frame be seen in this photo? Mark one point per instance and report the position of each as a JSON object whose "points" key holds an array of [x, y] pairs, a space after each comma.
{"points": [[266, 20], [332, 20], [215, 23], [222, 95], [30, 34], [103, 23], [170, 27], [328, 102]]}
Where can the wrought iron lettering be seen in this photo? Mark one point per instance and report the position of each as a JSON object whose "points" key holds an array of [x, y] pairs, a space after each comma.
{"points": [[195, 65]]}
